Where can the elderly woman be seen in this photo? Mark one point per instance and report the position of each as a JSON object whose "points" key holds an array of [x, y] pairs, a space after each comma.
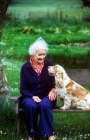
{"points": [[38, 92]]}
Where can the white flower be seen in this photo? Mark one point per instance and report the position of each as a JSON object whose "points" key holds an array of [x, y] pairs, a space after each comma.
{"points": [[2, 43]]}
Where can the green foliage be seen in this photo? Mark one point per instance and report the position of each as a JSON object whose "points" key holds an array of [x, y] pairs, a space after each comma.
{"points": [[67, 42], [8, 124], [68, 36], [69, 126]]}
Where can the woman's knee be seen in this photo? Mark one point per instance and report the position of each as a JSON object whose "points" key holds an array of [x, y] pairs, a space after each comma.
{"points": [[45, 103], [29, 103]]}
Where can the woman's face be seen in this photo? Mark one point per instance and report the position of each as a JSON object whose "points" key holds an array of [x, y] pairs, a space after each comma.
{"points": [[39, 56]]}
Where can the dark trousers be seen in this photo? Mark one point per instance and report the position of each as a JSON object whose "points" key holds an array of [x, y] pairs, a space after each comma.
{"points": [[44, 110]]}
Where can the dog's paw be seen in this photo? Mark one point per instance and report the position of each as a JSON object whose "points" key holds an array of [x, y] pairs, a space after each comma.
{"points": [[83, 108], [80, 108], [62, 108]]}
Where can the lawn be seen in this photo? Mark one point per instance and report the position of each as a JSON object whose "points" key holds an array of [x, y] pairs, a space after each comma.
{"points": [[61, 24], [69, 43]]}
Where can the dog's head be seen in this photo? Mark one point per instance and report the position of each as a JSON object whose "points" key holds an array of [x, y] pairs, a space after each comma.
{"points": [[54, 69], [57, 71]]}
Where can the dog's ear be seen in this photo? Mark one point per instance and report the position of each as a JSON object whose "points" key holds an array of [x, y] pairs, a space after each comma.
{"points": [[70, 84], [59, 75], [62, 75], [59, 84], [55, 68]]}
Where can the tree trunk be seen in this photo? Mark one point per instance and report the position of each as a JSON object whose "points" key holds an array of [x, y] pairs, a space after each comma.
{"points": [[4, 91]]}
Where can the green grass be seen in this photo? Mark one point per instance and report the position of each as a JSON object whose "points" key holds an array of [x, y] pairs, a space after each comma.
{"points": [[70, 125], [67, 126], [12, 72], [8, 124], [60, 23], [64, 42]]}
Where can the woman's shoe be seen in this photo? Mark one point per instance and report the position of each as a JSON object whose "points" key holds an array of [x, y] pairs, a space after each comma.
{"points": [[31, 138], [51, 137]]}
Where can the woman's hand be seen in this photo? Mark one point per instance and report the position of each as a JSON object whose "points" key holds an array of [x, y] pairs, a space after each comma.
{"points": [[36, 99], [52, 94]]}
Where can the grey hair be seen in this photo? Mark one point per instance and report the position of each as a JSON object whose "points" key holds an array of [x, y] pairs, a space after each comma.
{"points": [[37, 45]]}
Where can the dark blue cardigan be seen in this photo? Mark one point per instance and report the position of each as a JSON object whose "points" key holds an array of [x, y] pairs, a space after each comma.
{"points": [[33, 85]]}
